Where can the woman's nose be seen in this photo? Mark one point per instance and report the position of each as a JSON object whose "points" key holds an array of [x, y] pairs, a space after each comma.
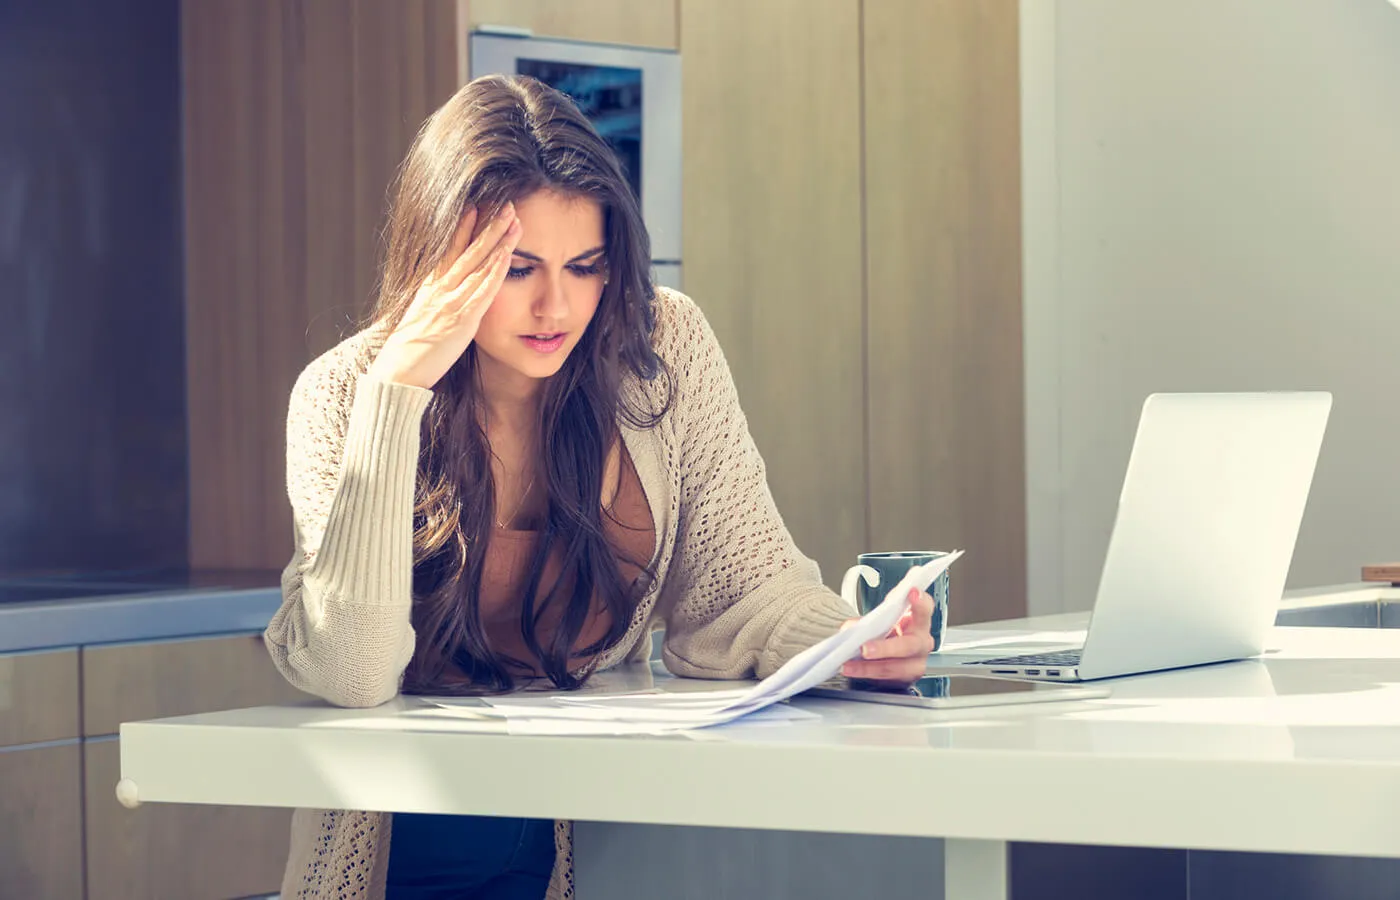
{"points": [[552, 302]]}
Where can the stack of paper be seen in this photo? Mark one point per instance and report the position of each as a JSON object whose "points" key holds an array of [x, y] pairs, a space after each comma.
{"points": [[654, 713]]}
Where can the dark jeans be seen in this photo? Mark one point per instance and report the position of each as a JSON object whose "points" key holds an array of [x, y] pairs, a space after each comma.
{"points": [[435, 857]]}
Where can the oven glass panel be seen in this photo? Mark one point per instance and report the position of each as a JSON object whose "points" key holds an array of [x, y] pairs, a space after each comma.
{"points": [[610, 96]]}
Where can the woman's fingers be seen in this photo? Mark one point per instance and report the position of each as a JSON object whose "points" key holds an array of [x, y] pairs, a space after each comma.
{"points": [[476, 253], [461, 238], [903, 655], [921, 610], [911, 644], [905, 670], [477, 292], [443, 317], [911, 637]]}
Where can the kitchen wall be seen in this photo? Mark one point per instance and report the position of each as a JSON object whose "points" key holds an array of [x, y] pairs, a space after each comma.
{"points": [[1212, 203]]}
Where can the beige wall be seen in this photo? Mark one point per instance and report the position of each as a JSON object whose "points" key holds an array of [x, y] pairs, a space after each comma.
{"points": [[1213, 203], [773, 246], [943, 292]]}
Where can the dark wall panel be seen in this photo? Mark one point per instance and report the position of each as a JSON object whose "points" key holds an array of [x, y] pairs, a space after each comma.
{"points": [[92, 408]]}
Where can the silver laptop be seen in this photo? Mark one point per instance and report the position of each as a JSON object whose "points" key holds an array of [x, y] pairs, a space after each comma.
{"points": [[1201, 546]]}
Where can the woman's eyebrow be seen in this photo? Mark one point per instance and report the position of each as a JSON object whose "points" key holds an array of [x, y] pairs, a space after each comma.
{"points": [[587, 254]]}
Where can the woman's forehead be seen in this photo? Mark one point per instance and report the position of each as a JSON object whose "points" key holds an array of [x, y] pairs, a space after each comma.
{"points": [[556, 225]]}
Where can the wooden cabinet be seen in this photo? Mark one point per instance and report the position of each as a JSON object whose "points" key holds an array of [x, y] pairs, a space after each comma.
{"points": [[773, 244], [38, 697], [943, 220], [295, 119], [41, 822], [41, 804], [60, 822], [130, 682], [175, 851]]}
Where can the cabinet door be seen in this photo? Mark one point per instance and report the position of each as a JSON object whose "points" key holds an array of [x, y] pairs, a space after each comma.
{"points": [[41, 824], [295, 118], [772, 244], [176, 852], [38, 697], [130, 682], [943, 206]]}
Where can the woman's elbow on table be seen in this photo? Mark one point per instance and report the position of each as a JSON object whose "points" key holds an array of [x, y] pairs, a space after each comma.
{"points": [[345, 682], [349, 663], [361, 696]]}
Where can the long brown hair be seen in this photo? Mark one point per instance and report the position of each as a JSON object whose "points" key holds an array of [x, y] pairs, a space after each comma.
{"points": [[499, 140]]}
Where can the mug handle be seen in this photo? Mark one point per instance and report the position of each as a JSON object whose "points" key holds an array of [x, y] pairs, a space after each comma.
{"points": [[850, 583]]}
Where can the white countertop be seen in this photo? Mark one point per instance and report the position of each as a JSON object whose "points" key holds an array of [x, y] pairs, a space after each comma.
{"points": [[1298, 752], [1358, 592]]}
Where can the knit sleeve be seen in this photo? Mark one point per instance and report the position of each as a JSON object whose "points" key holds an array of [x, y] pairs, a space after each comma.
{"points": [[343, 630], [740, 599]]}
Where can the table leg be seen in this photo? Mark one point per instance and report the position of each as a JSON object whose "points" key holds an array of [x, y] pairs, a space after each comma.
{"points": [[974, 870]]}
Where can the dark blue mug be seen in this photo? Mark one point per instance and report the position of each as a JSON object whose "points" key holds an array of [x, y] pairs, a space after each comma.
{"points": [[867, 582]]}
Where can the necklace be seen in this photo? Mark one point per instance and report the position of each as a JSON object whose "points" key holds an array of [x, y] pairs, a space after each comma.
{"points": [[523, 497]]}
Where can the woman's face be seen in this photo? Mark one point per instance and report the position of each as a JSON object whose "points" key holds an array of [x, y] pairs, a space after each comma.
{"points": [[551, 291]]}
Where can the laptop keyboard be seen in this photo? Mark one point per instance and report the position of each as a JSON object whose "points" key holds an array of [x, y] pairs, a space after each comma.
{"points": [[1057, 658]]}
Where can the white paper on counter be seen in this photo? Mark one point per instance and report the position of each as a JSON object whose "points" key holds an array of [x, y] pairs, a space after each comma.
{"points": [[780, 714], [653, 713]]}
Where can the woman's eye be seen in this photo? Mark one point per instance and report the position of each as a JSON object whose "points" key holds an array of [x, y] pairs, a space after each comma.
{"points": [[514, 272], [587, 271]]}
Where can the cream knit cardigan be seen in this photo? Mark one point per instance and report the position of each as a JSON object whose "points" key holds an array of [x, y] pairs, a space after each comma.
{"points": [[736, 596]]}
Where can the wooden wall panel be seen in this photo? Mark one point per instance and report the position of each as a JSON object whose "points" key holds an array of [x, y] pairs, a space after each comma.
{"points": [[135, 682], [942, 173], [297, 114], [643, 23], [92, 396], [39, 697], [772, 244], [41, 822], [173, 851]]}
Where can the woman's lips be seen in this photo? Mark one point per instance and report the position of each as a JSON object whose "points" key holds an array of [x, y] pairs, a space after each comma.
{"points": [[544, 344]]}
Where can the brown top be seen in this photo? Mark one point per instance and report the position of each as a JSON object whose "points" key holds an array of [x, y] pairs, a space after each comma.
{"points": [[629, 529]]}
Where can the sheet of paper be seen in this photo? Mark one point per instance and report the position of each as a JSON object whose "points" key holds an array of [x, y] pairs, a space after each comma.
{"points": [[654, 713], [772, 715], [604, 714], [660, 699]]}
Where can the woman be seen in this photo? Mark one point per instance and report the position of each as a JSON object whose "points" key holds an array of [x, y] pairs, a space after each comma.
{"points": [[526, 458]]}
